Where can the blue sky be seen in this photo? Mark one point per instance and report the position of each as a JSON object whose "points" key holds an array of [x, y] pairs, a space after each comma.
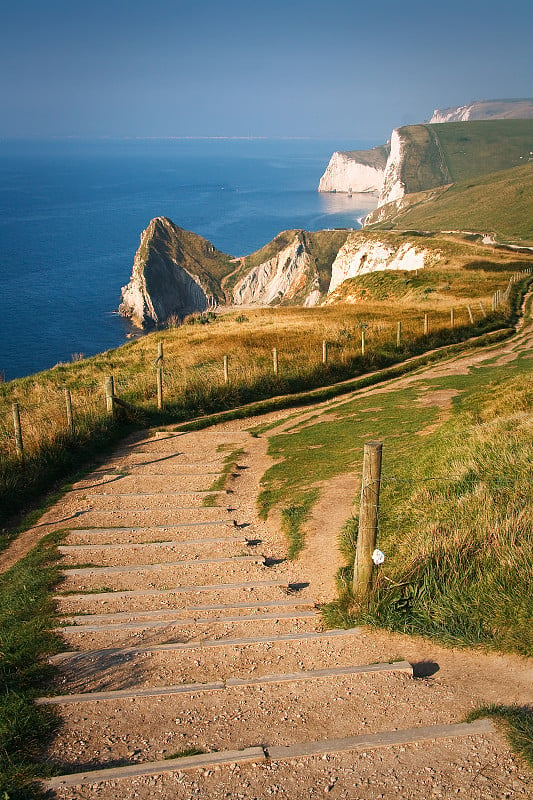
{"points": [[323, 69]]}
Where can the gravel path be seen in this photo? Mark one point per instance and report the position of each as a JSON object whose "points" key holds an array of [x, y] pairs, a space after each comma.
{"points": [[203, 637]]}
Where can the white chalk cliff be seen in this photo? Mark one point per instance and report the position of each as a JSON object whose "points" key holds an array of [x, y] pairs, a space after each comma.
{"points": [[361, 254], [485, 109], [288, 273], [357, 171], [393, 187], [170, 276]]}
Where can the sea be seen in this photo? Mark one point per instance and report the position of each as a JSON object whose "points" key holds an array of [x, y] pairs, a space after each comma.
{"points": [[72, 211]]}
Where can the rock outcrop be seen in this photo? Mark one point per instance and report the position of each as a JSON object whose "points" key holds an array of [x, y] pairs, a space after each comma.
{"points": [[373, 252], [357, 171], [294, 268], [280, 279], [175, 273], [485, 109], [416, 163]]}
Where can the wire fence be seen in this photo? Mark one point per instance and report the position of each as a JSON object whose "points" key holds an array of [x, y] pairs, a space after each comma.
{"points": [[41, 415]]}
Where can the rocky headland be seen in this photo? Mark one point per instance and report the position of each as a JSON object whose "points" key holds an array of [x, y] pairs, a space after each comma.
{"points": [[382, 170], [177, 273]]}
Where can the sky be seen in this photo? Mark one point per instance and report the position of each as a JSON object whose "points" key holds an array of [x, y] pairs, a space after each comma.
{"points": [[297, 68]]}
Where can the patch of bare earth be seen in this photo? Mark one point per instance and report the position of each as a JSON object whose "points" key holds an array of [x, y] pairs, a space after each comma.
{"points": [[221, 651]]}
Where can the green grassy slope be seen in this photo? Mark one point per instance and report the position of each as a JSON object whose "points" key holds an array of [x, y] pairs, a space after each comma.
{"points": [[476, 148], [500, 203], [440, 154]]}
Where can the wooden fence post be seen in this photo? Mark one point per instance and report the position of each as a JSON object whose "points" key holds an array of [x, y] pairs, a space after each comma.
{"points": [[368, 519], [159, 380], [68, 406], [226, 369], [362, 341], [470, 315], [159, 375], [426, 324], [324, 351], [399, 335], [110, 395], [19, 446], [275, 360], [452, 318], [482, 307]]}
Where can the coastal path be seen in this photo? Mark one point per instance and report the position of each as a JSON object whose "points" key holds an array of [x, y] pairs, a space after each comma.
{"points": [[195, 663]]}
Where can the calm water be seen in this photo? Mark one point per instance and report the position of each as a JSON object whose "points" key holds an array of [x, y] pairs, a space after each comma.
{"points": [[71, 214]]}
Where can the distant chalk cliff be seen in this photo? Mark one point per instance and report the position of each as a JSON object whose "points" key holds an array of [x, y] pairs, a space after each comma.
{"points": [[357, 171], [485, 109]]}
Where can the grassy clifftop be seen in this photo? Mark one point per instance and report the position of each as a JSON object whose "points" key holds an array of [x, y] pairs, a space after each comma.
{"points": [[500, 203], [440, 154]]}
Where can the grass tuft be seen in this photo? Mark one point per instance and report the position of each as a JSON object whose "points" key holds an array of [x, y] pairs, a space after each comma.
{"points": [[26, 638], [517, 723]]}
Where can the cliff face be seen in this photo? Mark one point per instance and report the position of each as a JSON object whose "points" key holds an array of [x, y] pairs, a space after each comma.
{"points": [[289, 276], [416, 163], [485, 109], [355, 171], [364, 253], [174, 274]]}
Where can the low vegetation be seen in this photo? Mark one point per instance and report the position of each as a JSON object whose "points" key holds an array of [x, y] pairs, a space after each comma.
{"points": [[26, 620], [500, 204], [193, 367]]}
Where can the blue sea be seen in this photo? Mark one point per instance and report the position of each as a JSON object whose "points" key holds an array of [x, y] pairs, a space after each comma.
{"points": [[71, 214]]}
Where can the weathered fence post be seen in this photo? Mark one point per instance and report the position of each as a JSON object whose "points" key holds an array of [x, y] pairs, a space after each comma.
{"points": [[226, 369], [368, 519], [399, 335], [110, 395], [324, 351], [362, 341], [68, 406], [159, 376], [426, 324], [452, 317], [275, 360], [471, 316], [19, 446], [482, 307]]}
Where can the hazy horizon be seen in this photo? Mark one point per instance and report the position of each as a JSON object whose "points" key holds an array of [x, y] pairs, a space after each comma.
{"points": [[234, 69]]}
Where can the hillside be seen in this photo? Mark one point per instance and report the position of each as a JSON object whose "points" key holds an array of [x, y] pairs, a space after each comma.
{"points": [[500, 204], [427, 156], [175, 273], [485, 109]]}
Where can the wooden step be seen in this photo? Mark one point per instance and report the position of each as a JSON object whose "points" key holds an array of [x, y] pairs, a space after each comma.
{"points": [[365, 742], [194, 688]]}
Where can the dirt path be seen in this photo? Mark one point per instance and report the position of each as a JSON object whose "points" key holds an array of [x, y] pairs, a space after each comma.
{"points": [[191, 633], [186, 631]]}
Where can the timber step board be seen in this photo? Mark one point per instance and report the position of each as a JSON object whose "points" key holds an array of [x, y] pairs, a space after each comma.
{"points": [[80, 548], [132, 471], [148, 494], [165, 565], [286, 677], [218, 509], [83, 619], [178, 622], [328, 746], [207, 587], [110, 529], [127, 652]]}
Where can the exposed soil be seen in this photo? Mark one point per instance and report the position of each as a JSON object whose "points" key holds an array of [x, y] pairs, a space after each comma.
{"points": [[218, 597]]}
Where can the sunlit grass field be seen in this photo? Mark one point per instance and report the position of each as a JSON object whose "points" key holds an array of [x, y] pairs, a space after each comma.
{"points": [[193, 366]]}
